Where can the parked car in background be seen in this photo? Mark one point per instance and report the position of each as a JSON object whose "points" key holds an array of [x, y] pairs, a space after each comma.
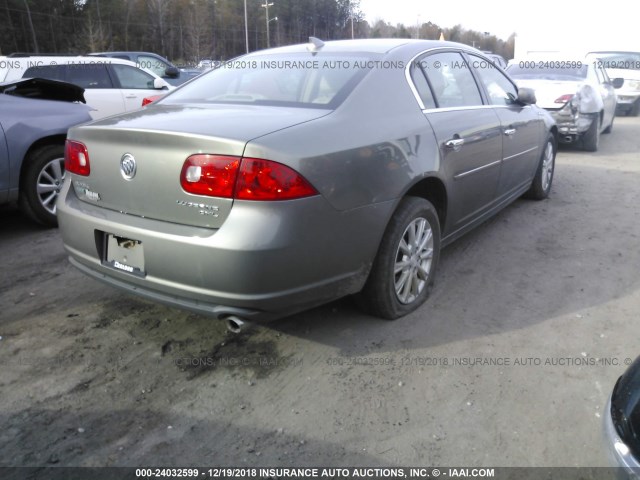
{"points": [[110, 87], [152, 62], [576, 92], [625, 65], [225, 197], [34, 118], [497, 59], [622, 422]]}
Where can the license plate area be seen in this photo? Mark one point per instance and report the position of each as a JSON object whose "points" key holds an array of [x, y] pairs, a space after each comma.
{"points": [[123, 254]]}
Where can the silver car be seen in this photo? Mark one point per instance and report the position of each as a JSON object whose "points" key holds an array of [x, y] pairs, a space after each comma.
{"points": [[291, 177], [577, 92], [34, 117]]}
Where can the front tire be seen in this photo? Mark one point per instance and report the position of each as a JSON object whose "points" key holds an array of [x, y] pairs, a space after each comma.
{"points": [[41, 183], [403, 271], [541, 184]]}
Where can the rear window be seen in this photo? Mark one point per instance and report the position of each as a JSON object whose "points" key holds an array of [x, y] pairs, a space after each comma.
{"points": [[300, 80], [548, 70]]}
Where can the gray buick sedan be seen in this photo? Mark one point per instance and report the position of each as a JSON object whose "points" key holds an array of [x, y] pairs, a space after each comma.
{"points": [[291, 177]]}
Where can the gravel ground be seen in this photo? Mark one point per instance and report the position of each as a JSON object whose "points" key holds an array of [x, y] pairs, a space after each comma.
{"points": [[509, 364]]}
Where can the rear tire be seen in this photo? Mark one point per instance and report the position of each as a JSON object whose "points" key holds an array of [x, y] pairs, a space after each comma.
{"points": [[591, 138], [541, 184], [403, 271], [41, 183]]}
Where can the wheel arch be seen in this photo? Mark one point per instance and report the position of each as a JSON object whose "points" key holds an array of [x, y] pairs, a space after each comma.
{"points": [[433, 190], [41, 142]]}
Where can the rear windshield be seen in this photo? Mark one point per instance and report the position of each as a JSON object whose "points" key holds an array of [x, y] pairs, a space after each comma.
{"points": [[298, 80], [551, 70]]}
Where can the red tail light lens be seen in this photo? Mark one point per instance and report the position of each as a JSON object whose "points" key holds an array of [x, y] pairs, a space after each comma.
{"points": [[563, 98], [244, 179], [211, 175], [76, 158], [267, 180]]}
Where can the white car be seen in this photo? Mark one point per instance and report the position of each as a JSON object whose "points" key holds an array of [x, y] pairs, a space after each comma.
{"points": [[625, 65], [577, 92], [111, 86]]}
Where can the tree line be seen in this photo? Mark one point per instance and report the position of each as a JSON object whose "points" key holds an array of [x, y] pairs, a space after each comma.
{"points": [[186, 31]]}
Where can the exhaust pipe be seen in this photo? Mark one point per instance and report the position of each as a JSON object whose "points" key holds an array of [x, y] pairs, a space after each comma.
{"points": [[568, 139], [235, 324]]}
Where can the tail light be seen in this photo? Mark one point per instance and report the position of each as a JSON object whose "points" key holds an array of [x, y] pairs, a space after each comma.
{"points": [[564, 98], [76, 158], [242, 178]]}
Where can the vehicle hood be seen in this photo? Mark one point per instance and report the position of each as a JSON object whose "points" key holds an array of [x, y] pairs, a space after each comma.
{"points": [[623, 73], [43, 89], [161, 139], [547, 91]]}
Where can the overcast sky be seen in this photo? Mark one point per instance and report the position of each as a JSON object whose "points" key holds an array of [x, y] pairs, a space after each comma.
{"points": [[569, 22]]}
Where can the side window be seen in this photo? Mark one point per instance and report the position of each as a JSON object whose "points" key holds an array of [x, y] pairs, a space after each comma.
{"points": [[500, 90], [421, 85], [155, 65], [451, 80], [88, 75], [49, 72], [131, 77]]}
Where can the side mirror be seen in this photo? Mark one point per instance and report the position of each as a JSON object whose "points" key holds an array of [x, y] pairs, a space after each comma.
{"points": [[172, 72], [159, 84], [618, 82], [526, 96]]}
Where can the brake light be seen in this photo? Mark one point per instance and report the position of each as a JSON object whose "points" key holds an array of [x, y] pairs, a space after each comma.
{"points": [[564, 98], [242, 178], [267, 180], [211, 175], [76, 158]]}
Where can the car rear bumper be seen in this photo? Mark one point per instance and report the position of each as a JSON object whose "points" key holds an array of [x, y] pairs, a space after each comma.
{"points": [[572, 126], [265, 261]]}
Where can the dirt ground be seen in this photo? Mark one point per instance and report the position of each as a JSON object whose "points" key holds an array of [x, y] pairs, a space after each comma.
{"points": [[510, 363]]}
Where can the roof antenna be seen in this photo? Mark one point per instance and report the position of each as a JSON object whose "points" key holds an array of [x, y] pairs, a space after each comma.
{"points": [[315, 44]]}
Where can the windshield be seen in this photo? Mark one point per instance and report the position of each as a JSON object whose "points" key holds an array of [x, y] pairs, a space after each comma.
{"points": [[562, 71], [299, 80]]}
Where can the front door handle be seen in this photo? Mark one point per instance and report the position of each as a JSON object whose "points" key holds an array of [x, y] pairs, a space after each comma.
{"points": [[510, 131], [454, 143]]}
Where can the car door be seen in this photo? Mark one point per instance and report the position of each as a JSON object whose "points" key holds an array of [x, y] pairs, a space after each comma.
{"points": [[521, 128], [608, 94], [5, 173], [467, 131], [99, 91], [135, 85]]}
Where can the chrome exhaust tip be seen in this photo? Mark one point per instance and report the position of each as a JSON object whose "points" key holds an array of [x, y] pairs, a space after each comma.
{"points": [[235, 324]]}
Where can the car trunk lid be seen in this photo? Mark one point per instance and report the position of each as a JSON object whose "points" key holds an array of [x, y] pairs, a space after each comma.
{"points": [[159, 140]]}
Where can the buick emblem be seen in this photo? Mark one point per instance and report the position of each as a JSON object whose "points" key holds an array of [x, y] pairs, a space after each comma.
{"points": [[128, 166]]}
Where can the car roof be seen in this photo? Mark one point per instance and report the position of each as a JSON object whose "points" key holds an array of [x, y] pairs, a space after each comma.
{"points": [[371, 45]]}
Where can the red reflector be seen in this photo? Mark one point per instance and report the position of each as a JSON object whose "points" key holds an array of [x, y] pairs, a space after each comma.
{"points": [[76, 158], [211, 175], [267, 180], [151, 99], [563, 98]]}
